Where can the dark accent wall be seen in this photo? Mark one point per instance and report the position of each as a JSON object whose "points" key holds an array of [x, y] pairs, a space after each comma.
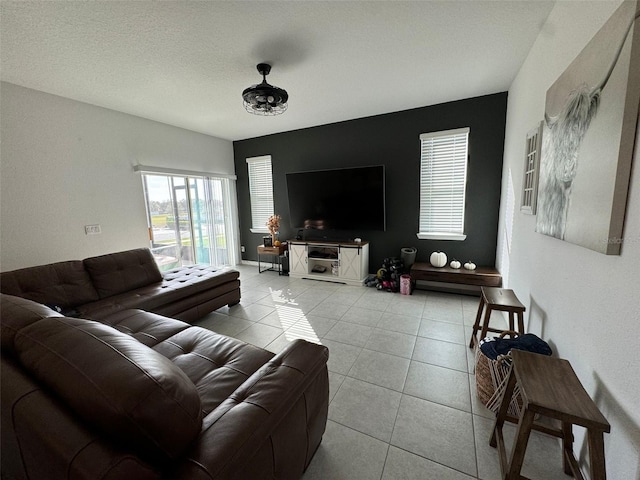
{"points": [[391, 140]]}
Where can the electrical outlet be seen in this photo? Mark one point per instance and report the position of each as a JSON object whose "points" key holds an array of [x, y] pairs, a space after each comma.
{"points": [[242, 248], [92, 229]]}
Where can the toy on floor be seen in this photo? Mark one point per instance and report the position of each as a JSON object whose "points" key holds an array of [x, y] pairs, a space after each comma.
{"points": [[388, 276]]}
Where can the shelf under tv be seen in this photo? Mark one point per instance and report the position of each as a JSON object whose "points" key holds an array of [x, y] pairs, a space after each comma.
{"points": [[341, 262]]}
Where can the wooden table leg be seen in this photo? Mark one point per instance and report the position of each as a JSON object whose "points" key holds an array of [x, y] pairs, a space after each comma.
{"points": [[501, 415], [521, 323], [497, 437], [485, 325], [520, 444], [596, 455], [476, 325], [567, 446]]}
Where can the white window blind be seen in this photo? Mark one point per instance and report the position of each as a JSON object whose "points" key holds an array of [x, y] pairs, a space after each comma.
{"points": [[260, 191], [443, 178]]}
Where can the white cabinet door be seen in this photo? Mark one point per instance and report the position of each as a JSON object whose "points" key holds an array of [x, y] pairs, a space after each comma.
{"points": [[298, 259], [350, 263]]}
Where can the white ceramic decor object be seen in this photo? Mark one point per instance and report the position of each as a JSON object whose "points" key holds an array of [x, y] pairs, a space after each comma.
{"points": [[438, 259]]}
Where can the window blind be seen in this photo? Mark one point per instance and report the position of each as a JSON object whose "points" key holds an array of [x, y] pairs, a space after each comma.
{"points": [[260, 191], [443, 178]]}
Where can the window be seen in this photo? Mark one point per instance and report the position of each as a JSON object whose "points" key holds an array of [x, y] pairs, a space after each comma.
{"points": [[261, 192], [190, 218], [531, 162], [443, 178]]}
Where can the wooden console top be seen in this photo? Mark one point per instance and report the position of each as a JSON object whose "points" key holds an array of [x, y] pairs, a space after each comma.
{"points": [[328, 242]]}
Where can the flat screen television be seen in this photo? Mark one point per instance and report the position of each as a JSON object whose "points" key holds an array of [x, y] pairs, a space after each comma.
{"points": [[340, 199]]}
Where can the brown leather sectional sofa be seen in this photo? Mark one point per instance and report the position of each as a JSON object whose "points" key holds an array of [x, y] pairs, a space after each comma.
{"points": [[141, 396], [99, 286]]}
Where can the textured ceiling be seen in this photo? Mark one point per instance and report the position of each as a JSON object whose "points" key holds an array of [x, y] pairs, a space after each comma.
{"points": [[186, 63]]}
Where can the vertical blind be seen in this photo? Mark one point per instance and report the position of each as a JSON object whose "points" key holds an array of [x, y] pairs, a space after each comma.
{"points": [[260, 191], [443, 178]]}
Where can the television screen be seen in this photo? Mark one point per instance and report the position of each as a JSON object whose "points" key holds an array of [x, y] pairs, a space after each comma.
{"points": [[340, 199]]}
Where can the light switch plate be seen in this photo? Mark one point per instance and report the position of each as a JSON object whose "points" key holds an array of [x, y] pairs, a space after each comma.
{"points": [[92, 229]]}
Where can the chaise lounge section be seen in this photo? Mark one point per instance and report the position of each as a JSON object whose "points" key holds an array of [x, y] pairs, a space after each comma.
{"points": [[100, 286]]}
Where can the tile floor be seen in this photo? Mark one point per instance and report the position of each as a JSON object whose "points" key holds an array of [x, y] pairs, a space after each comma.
{"points": [[402, 389]]}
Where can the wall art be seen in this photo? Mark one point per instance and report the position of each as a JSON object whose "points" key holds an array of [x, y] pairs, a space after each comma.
{"points": [[591, 113]]}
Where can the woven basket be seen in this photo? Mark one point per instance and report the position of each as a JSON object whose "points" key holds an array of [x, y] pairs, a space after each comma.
{"points": [[491, 380]]}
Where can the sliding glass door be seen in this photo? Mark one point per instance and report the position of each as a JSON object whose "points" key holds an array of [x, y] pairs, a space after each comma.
{"points": [[190, 220]]}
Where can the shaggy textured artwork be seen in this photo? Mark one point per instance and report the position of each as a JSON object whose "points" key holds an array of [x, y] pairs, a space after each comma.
{"points": [[590, 122]]}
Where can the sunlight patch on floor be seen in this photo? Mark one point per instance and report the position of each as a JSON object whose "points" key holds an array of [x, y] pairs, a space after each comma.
{"points": [[302, 329], [293, 320]]}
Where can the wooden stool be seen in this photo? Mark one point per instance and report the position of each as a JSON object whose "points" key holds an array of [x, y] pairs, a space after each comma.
{"points": [[502, 299], [550, 387]]}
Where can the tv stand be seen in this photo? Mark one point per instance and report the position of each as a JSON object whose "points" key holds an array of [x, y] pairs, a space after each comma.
{"points": [[340, 262], [324, 235]]}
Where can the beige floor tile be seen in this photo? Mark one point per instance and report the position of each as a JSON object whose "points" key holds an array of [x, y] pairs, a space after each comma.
{"points": [[259, 335], [449, 332], [365, 407], [341, 356], [443, 354], [404, 465], [350, 333], [329, 309], [362, 316], [438, 384], [313, 326], [253, 312], [399, 323], [407, 307], [381, 369], [439, 433], [394, 343], [347, 454], [224, 324], [543, 457]]}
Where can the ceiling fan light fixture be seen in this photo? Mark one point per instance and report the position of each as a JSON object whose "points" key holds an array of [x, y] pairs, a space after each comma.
{"points": [[265, 99]]}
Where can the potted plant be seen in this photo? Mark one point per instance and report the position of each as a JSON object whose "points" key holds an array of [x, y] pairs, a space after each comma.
{"points": [[273, 224]]}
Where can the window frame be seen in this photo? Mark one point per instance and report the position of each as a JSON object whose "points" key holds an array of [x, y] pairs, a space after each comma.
{"points": [[533, 145], [427, 187], [261, 193], [226, 189]]}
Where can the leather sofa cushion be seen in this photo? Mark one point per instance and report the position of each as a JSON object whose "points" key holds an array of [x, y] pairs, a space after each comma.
{"points": [[64, 284], [120, 272], [146, 327], [18, 313], [176, 286], [215, 363], [135, 395]]}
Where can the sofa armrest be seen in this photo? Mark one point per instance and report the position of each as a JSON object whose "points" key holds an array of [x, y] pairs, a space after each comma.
{"points": [[271, 425], [42, 438]]}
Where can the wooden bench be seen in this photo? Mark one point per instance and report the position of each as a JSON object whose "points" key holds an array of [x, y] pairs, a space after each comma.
{"points": [[549, 387], [501, 299], [481, 276]]}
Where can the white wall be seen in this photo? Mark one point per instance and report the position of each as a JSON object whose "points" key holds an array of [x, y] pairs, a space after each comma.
{"points": [[584, 303], [66, 164]]}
